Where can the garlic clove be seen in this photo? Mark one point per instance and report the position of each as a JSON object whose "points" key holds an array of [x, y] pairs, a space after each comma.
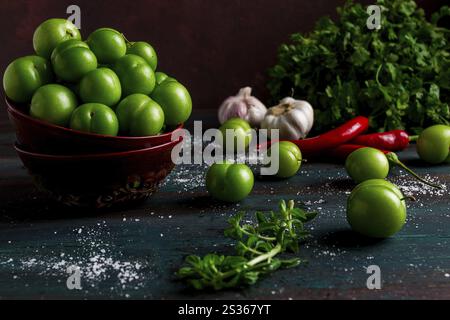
{"points": [[300, 121], [244, 106]]}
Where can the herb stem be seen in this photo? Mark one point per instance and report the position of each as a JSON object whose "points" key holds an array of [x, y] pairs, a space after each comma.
{"points": [[252, 250], [267, 256], [258, 235]]}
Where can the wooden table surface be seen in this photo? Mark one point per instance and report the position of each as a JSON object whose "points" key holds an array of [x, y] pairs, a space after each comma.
{"points": [[133, 253]]}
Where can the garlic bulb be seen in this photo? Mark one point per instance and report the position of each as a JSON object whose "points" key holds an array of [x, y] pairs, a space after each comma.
{"points": [[243, 106], [294, 119]]}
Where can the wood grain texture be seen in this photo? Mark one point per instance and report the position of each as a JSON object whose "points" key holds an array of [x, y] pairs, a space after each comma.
{"points": [[38, 240]]}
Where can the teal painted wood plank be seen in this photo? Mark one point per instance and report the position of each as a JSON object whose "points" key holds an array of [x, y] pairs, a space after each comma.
{"points": [[134, 253]]}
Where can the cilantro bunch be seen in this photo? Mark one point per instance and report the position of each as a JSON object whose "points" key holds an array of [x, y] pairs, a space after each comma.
{"points": [[398, 75], [258, 248]]}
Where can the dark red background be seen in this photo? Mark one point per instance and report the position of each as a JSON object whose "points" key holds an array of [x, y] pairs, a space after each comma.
{"points": [[213, 46]]}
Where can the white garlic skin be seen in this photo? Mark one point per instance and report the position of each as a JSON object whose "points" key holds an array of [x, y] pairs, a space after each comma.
{"points": [[243, 106], [294, 119]]}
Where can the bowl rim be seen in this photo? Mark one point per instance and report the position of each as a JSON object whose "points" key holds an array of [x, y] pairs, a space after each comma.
{"points": [[11, 108], [96, 156]]}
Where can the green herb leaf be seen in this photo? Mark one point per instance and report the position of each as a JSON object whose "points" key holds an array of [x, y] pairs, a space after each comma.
{"points": [[258, 248], [398, 76]]}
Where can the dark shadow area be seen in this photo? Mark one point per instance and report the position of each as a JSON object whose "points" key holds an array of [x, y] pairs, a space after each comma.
{"points": [[262, 178], [347, 239], [342, 184], [201, 201], [39, 207], [418, 163]]}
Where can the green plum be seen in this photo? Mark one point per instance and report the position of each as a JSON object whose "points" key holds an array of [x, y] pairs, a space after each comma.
{"points": [[24, 76], [367, 163], [135, 75], [52, 32], [241, 130], [230, 182], [53, 103], [101, 86], [370, 163], [175, 101], [290, 158], [160, 77], [434, 143], [163, 77], [170, 79], [376, 208], [72, 59], [95, 118], [107, 44], [145, 51], [139, 116]]}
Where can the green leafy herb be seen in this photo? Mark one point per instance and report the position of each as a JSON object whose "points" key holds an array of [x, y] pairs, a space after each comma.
{"points": [[398, 76], [258, 249]]}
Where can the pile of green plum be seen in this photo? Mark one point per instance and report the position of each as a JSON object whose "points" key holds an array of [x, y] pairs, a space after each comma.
{"points": [[103, 85]]}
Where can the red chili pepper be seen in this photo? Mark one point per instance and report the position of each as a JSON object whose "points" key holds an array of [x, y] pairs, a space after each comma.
{"points": [[395, 140], [333, 138]]}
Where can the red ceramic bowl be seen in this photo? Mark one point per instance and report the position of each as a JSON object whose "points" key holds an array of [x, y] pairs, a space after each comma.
{"points": [[100, 180], [39, 136]]}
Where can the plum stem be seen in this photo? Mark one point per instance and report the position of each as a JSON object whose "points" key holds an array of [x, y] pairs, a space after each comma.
{"points": [[393, 158], [128, 43], [411, 198], [413, 138]]}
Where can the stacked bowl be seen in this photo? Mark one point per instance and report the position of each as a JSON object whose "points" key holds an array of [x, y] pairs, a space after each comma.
{"points": [[90, 170], [76, 163]]}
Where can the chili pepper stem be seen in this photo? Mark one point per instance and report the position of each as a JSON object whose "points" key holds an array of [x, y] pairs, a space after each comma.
{"points": [[393, 158], [413, 138]]}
